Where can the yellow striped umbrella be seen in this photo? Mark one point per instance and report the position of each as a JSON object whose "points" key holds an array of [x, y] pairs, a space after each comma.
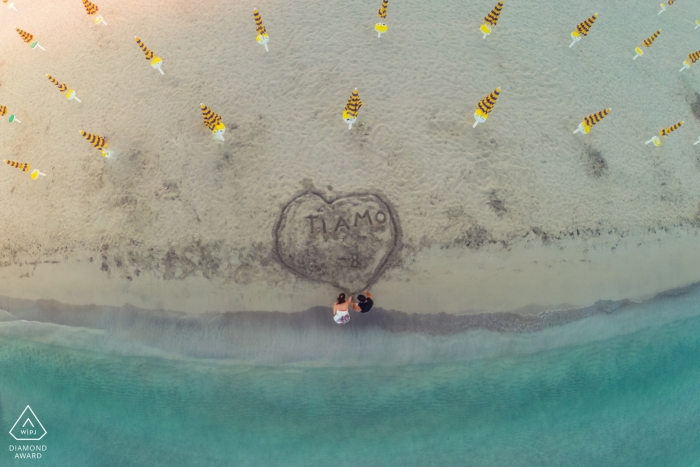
{"points": [[491, 19], [262, 37], [664, 132], [12, 118], [24, 167], [381, 27], [585, 126], [484, 107], [98, 142], [352, 108], [91, 10], [156, 62], [29, 39], [63, 88], [582, 28], [212, 120], [663, 7], [646, 43], [692, 58]]}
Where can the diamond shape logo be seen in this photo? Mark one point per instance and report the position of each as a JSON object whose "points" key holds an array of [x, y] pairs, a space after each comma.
{"points": [[28, 427]]}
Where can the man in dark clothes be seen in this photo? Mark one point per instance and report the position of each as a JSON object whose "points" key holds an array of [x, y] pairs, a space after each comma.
{"points": [[364, 303]]}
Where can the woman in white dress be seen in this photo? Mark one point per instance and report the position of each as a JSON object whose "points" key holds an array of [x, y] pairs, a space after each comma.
{"points": [[341, 309]]}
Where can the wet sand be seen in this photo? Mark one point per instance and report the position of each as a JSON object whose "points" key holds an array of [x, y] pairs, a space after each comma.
{"points": [[315, 320], [529, 279]]}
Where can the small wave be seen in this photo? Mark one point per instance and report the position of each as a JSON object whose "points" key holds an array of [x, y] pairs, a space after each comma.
{"points": [[311, 337]]}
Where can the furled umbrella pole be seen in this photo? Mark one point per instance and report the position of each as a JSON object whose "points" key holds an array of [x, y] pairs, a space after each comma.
{"points": [[29, 39], [381, 26], [692, 58], [92, 10], [352, 108], [12, 118], [485, 106], [585, 126], [262, 38], [646, 43], [98, 142], [491, 19], [156, 62], [664, 132], [70, 95], [24, 167], [663, 7], [9, 4], [582, 28], [212, 120]]}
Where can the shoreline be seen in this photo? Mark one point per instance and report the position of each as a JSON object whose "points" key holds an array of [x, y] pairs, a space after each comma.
{"points": [[528, 277], [434, 324], [319, 317], [311, 337]]}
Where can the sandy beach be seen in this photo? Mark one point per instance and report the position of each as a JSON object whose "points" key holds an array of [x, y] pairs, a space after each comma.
{"points": [[516, 214]]}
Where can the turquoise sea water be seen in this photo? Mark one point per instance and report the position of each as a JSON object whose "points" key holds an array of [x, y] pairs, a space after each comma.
{"points": [[628, 399]]}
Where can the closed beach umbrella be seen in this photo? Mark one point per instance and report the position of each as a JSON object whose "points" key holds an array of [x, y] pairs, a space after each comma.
{"points": [[664, 132], [62, 87], [12, 118], [92, 10], [692, 58], [491, 19], [262, 37], [582, 28], [650, 40], [148, 52], [381, 26], [156, 62], [24, 167], [210, 117], [484, 107], [585, 126], [663, 7], [26, 37], [646, 43], [382, 10], [90, 7], [667, 131], [212, 120], [352, 108], [98, 142], [29, 39]]}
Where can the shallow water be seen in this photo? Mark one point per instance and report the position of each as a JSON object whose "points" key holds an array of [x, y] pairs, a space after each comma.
{"points": [[626, 391]]}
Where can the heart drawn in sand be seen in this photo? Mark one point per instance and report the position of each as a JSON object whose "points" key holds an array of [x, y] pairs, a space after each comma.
{"points": [[347, 241]]}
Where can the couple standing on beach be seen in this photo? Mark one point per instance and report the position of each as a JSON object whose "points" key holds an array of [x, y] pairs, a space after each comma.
{"points": [[341, 308]]}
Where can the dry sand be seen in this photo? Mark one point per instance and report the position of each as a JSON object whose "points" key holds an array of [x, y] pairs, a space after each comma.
{"points": [[516, 212]]}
